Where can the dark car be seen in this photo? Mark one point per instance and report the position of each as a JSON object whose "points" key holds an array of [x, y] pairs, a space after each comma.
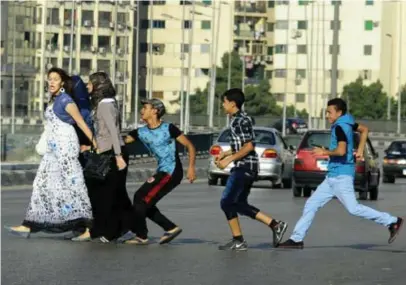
{"points": [[293, 126], [394, 162], [310, 170]]}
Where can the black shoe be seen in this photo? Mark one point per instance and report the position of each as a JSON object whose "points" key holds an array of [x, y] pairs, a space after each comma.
{"points": [[291, 244], [234, 245], [278, 232], [394, 230]]}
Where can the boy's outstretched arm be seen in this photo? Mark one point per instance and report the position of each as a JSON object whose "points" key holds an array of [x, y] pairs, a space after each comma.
{"points": [[363, 130], [191, 172]]}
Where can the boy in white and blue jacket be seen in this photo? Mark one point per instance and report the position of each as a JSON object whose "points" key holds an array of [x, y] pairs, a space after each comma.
{"points": [[339, 181]]}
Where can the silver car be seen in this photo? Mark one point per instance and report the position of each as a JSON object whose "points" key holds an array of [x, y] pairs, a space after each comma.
{"points": [[275, 157]]}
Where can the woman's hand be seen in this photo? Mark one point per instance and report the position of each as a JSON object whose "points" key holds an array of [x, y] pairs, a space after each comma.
{"points": [[120, 162]]}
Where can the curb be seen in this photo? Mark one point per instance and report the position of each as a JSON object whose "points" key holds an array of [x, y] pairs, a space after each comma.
{"points": [[26, 177]]}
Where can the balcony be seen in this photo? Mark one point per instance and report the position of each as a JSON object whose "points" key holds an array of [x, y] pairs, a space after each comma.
{"points": [[252, 8]]}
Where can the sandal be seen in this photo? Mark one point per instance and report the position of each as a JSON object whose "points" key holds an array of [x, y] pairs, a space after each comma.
{"points": [[137, 241], [169, 236]]}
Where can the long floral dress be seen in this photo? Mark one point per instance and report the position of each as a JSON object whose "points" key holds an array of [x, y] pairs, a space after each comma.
{"points": [[59, 201]]}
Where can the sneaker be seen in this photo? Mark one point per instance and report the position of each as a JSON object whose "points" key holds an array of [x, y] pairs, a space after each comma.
{"points": [[291, 244], [278, 232], [394, 230], [127, 236], [234, 245]]}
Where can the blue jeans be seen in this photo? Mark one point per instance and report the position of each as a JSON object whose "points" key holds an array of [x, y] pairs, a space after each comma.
{"points": [[234, 200], [343, 188]]}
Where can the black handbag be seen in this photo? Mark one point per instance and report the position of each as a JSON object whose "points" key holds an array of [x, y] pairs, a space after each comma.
{"points": [[97, 165]]}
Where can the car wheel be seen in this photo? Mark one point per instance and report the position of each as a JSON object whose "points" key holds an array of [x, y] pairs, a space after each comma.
{"points": [[223, 181], [287, 183], [388, 179], [363, 195], [307, 192], [297, 191], [212, 181], [373, 193]]}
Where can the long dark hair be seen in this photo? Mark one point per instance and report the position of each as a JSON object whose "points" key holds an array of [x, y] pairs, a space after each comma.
{"points": [[103, 88], [66, 79]]}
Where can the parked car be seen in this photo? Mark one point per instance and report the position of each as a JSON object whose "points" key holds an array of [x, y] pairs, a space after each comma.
{"points": [[275, 157], [293, 140], [310, 170], [394, 162], [293, 126]]}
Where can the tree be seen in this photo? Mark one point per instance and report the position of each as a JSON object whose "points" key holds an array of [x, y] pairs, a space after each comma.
{"points": [[366, 102], [259, 101]]}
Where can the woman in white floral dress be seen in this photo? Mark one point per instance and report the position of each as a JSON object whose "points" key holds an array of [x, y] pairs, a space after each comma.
{"points": [[59, 201]]}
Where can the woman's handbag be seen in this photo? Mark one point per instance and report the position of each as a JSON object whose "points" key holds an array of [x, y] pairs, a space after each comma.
{"points": [[97, 164]]}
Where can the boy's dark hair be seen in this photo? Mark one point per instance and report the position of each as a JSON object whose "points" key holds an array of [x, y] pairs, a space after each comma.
{"points": [[339, 104], [234, 95]]}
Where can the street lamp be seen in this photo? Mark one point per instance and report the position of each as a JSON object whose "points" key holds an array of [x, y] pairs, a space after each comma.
{"points": [[286, 75], [390, 77]]}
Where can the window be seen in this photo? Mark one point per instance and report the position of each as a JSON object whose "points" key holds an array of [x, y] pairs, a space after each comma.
{"points": [[158, 71], [2, 44], [269, 27], [158, 94], [270, 51], [369, 2], [207, 2], [366, 74], [303, 2], [368, 25], [301, 49], [279, 97], [330, 73], [155, 2], [185, 2], [282, 2], [144, 24], [206, 25], [268, 74], [302, 25], [281, 25], [187, 24], [300, 98], [257, 48], [338, 2], [331, 49], [332, 25], [367, 49], [103, 65], [143, 47], [280, 73], [301, 73], [281, 48], [204, 48], [201, 72], [271, 3], [185, 48], [158, 24]]}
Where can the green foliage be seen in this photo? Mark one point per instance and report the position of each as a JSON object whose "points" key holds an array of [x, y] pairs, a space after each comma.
{"points": [[259, 101]]}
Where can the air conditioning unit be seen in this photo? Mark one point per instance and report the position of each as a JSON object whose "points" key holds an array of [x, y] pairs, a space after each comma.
{"points": [[111, 25], [376, 24], [93, 49], [120, 27], [120, 51], [102, 50], [66, 48], [119, 75], [120, 2], [87, 23], [296, 34], [50, 47], [298, 80], [67, 22]]}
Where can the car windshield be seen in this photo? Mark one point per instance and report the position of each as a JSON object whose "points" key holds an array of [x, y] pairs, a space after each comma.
{"points": [[322, 139], [397, 147], [261, 137], [298, 121]]}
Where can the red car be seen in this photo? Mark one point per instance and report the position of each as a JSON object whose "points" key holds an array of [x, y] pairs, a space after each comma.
{"points": [[310, 170]]}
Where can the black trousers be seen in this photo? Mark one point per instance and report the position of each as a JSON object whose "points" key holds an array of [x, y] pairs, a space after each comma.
{"points": [[111, 206], [148, 195]]}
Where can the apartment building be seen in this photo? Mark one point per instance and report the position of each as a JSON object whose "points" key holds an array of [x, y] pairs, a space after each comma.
{"points": [[168, 24], [102, 34], [302, 48]]}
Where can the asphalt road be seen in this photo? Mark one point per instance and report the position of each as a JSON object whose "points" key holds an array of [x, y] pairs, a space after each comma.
{"points": [[339, 249]]}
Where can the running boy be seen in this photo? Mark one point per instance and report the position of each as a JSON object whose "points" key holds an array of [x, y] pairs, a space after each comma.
{"points": [[339, 181], [160, 138], [235, 196]]}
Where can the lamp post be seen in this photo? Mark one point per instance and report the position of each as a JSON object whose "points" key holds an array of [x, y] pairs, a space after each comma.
{"points": [[390, 77], [286, 74]]}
